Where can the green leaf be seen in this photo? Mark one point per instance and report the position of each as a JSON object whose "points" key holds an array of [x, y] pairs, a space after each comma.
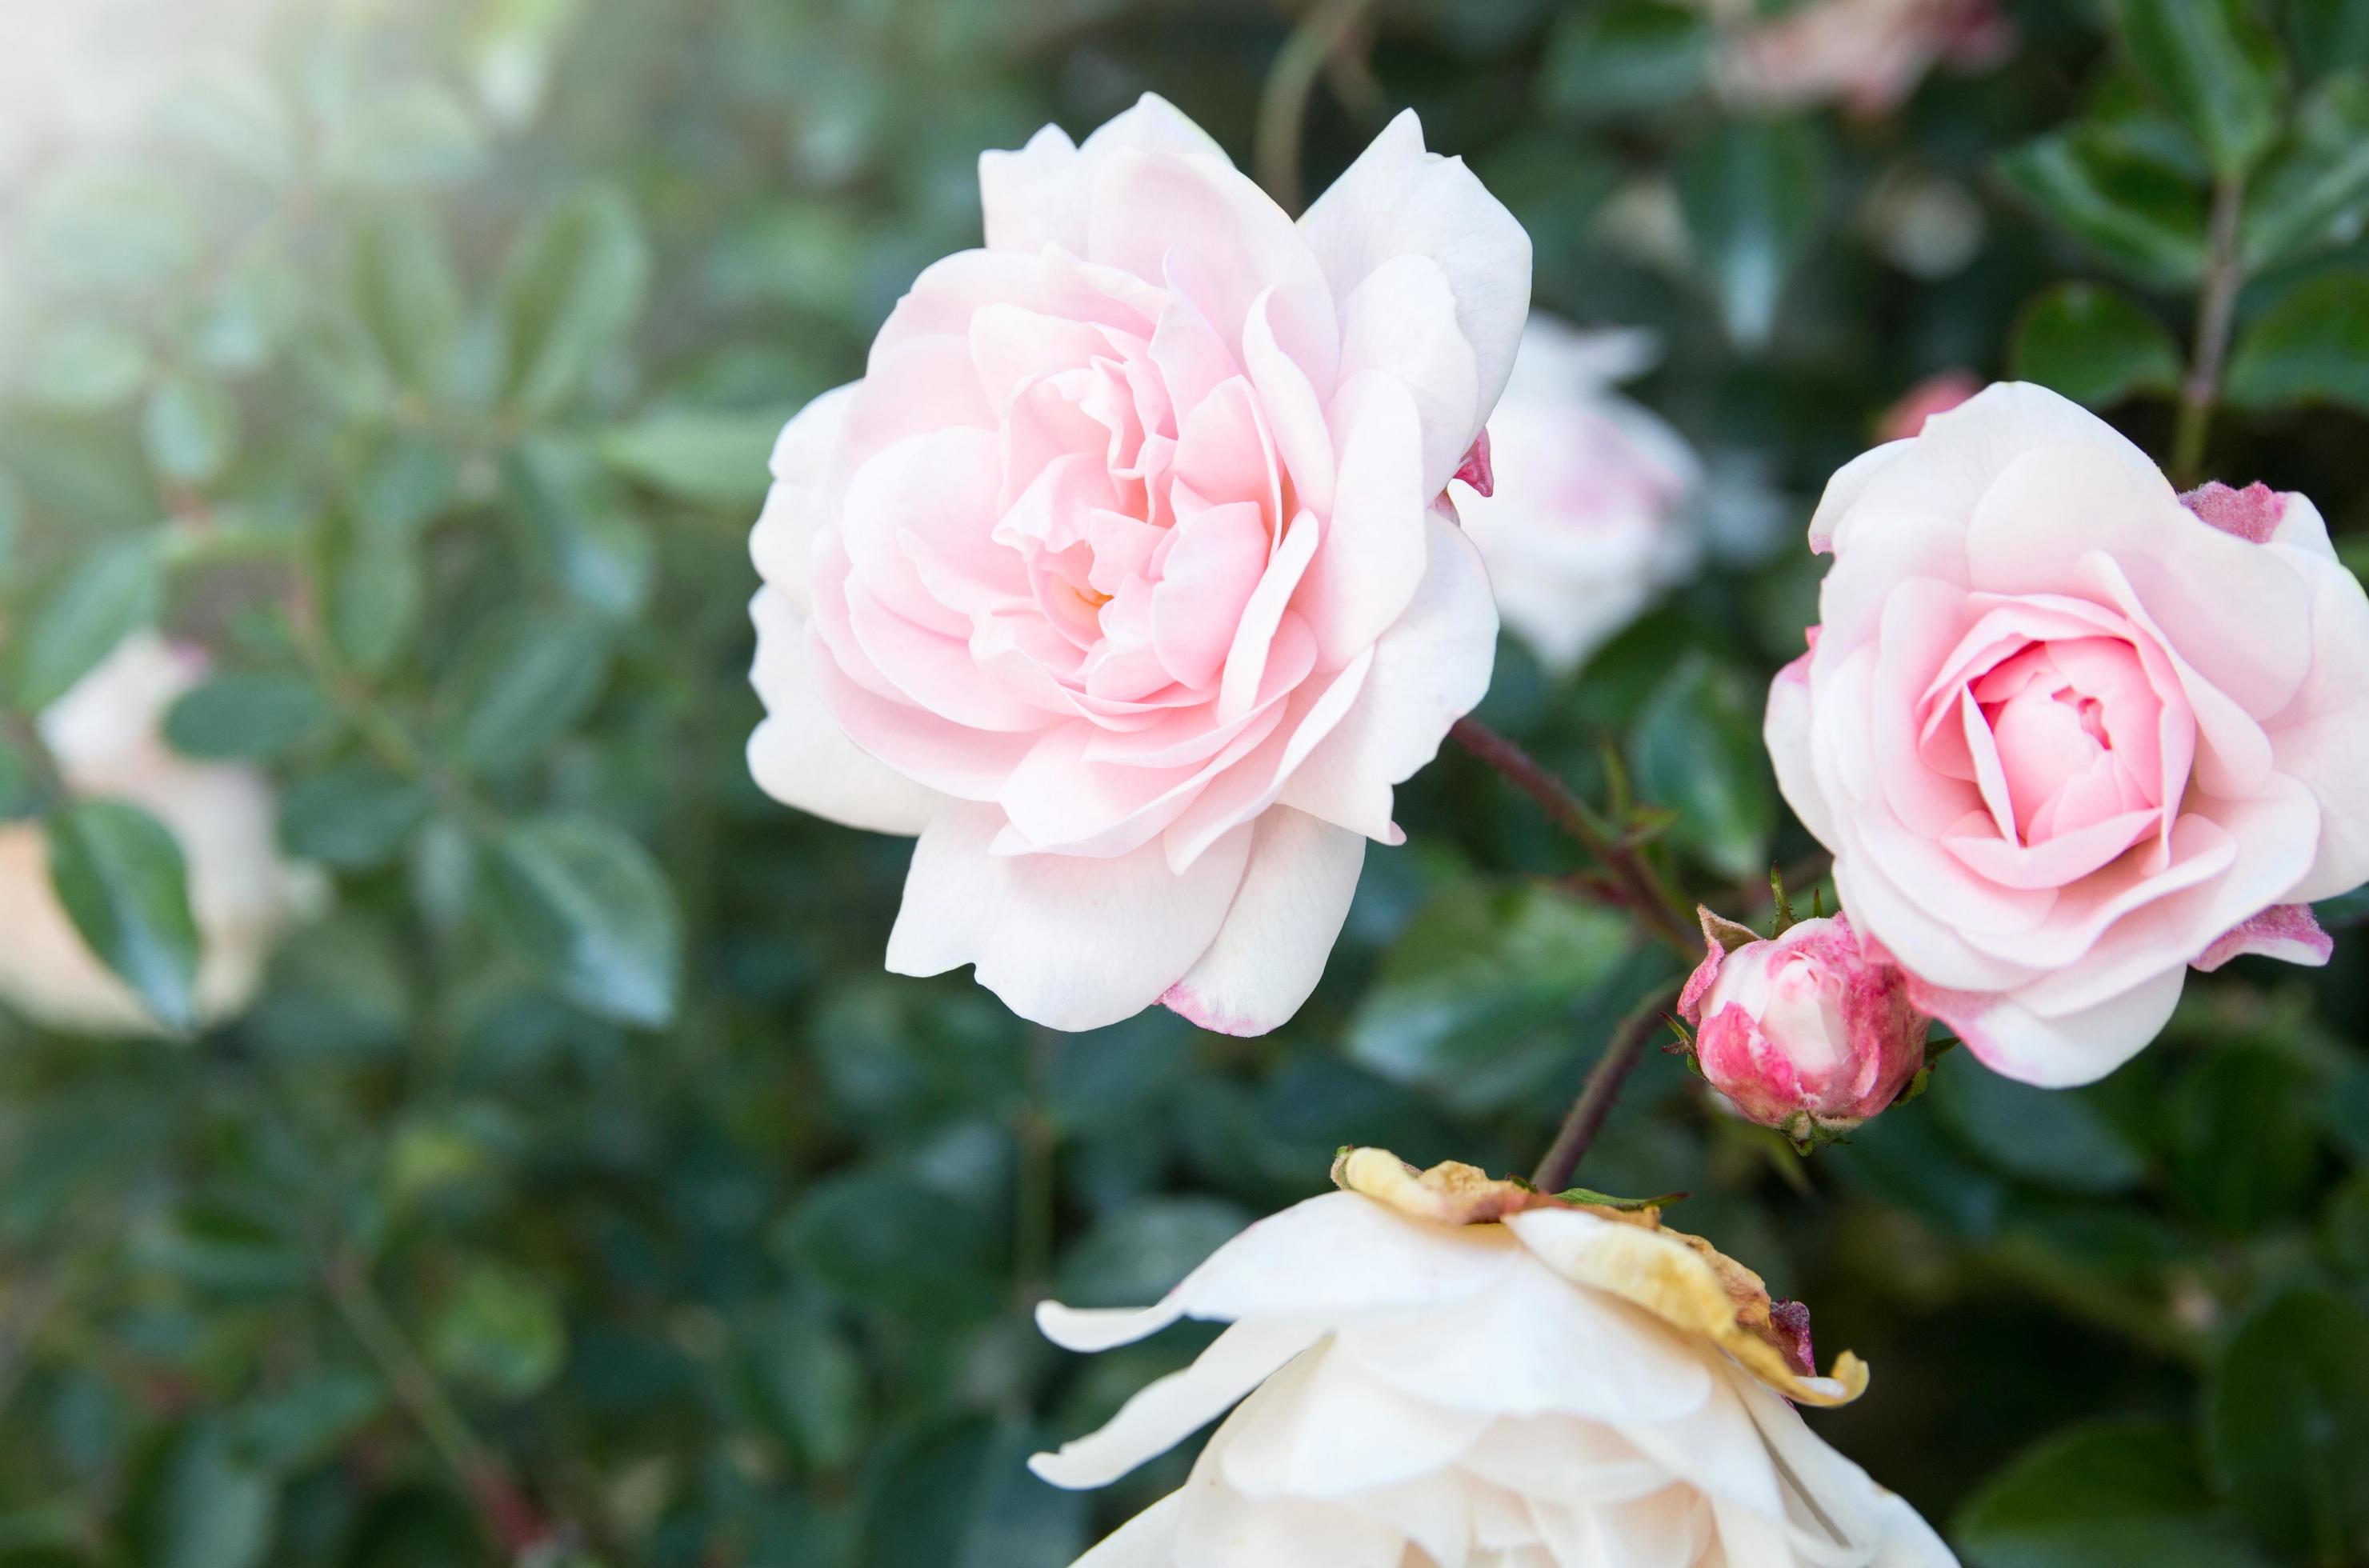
{"points": [[715, 458], [191, 428], [2113, 1494], [2094, 344], [2214, 64], [571, 290], [414, 133], [2286, 1420], [301, 1426], [116, 590], [1608, 60], [499, 1331], [2313, 346], [1752, 195], [521, 681], [375, 590], [119, 875], [86, 364], [111, 226], [2313, 194], [2345, 1227], [595, 913], [218, 1508], [964, 1498], [2135, 213], [2240, 1133], [582, 531], [407, 293], [1696, 749], [1468, 999], [227, 108], [351, 817], [2327, 35], [884, 1243], [246, 713], [2049, 1136], [813, 1383]]}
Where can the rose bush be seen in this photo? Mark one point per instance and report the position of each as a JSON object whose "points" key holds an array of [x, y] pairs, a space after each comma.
{"points": [[1441, 1368], [1124, 577], [1583, 525], [1806, 1033], [2066, 736]]}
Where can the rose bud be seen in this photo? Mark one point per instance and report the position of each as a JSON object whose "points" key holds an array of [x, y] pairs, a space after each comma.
{"points": [[1807, 1033]]}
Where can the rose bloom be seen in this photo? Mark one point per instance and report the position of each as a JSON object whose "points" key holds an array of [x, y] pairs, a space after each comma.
{"points": [[1868, 54], [1125, 577], [2068, 736], [1806, 1033], [105, 736], [1443, 1370], [1582, 526]]}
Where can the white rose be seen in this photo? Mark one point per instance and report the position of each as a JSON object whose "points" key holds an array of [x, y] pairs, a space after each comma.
{"points": [[1445, 1370], [1582, 528], [106, 737]]}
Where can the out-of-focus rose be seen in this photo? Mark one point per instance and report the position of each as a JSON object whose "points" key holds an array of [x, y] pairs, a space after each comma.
{"points": [[105, 736], [1441, 1368], [1124, 577], [2068, 736], [1582, 526], [1869, 55], [1806, 1033], [1935, 393]]}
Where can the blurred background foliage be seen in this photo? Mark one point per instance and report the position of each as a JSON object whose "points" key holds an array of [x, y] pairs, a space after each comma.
{"points": [[580, 1189]]}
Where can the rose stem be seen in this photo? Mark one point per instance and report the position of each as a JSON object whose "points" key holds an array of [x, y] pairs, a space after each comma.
{"points": [[1640, 886], [1283, 105], [1585, 1117], [2224, 273]]}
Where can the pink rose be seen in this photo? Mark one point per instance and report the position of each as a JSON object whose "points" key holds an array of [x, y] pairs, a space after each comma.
{"points": [[1805, 1033], [1870, 54], [2067, 737], [1581, 526], [1125, 578], [1935, 395]]}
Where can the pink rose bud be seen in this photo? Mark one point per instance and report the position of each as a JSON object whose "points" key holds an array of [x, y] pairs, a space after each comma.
{"points": [[1806, 1033]]}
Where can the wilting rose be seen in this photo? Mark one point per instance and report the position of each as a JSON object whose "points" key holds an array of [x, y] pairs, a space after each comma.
{"points": [[105, 736], [1807, 1032], [1440, 1369], [1869, 55], [1124, 577], [1582, 526], [2068, 736]]}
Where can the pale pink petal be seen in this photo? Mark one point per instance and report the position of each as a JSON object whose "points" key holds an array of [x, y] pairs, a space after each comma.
{"points": [[783, 537], [1271, 951], [1399, 200], [1147, 1540], [800, 755], [2322, 737], [1786, 731], [1338, 1254], [1167, 1409], [2055, 1053], [1216, 561], [2287, 932], [1370, 559], [1290, 393], [1038, 196], [1067, 942], [1341, 1432], [2252, 514], [1402, 321], [1430, 669], [1145, 204]]}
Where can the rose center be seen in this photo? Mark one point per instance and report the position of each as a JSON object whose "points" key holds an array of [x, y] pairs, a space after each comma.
{"points": [[2074, 724]]}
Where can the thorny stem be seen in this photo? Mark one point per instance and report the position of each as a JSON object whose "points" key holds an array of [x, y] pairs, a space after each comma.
{"points": [[502, 1507], [2224, 273], [1283, 106], [1585, 1117], [1633, 877]]}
